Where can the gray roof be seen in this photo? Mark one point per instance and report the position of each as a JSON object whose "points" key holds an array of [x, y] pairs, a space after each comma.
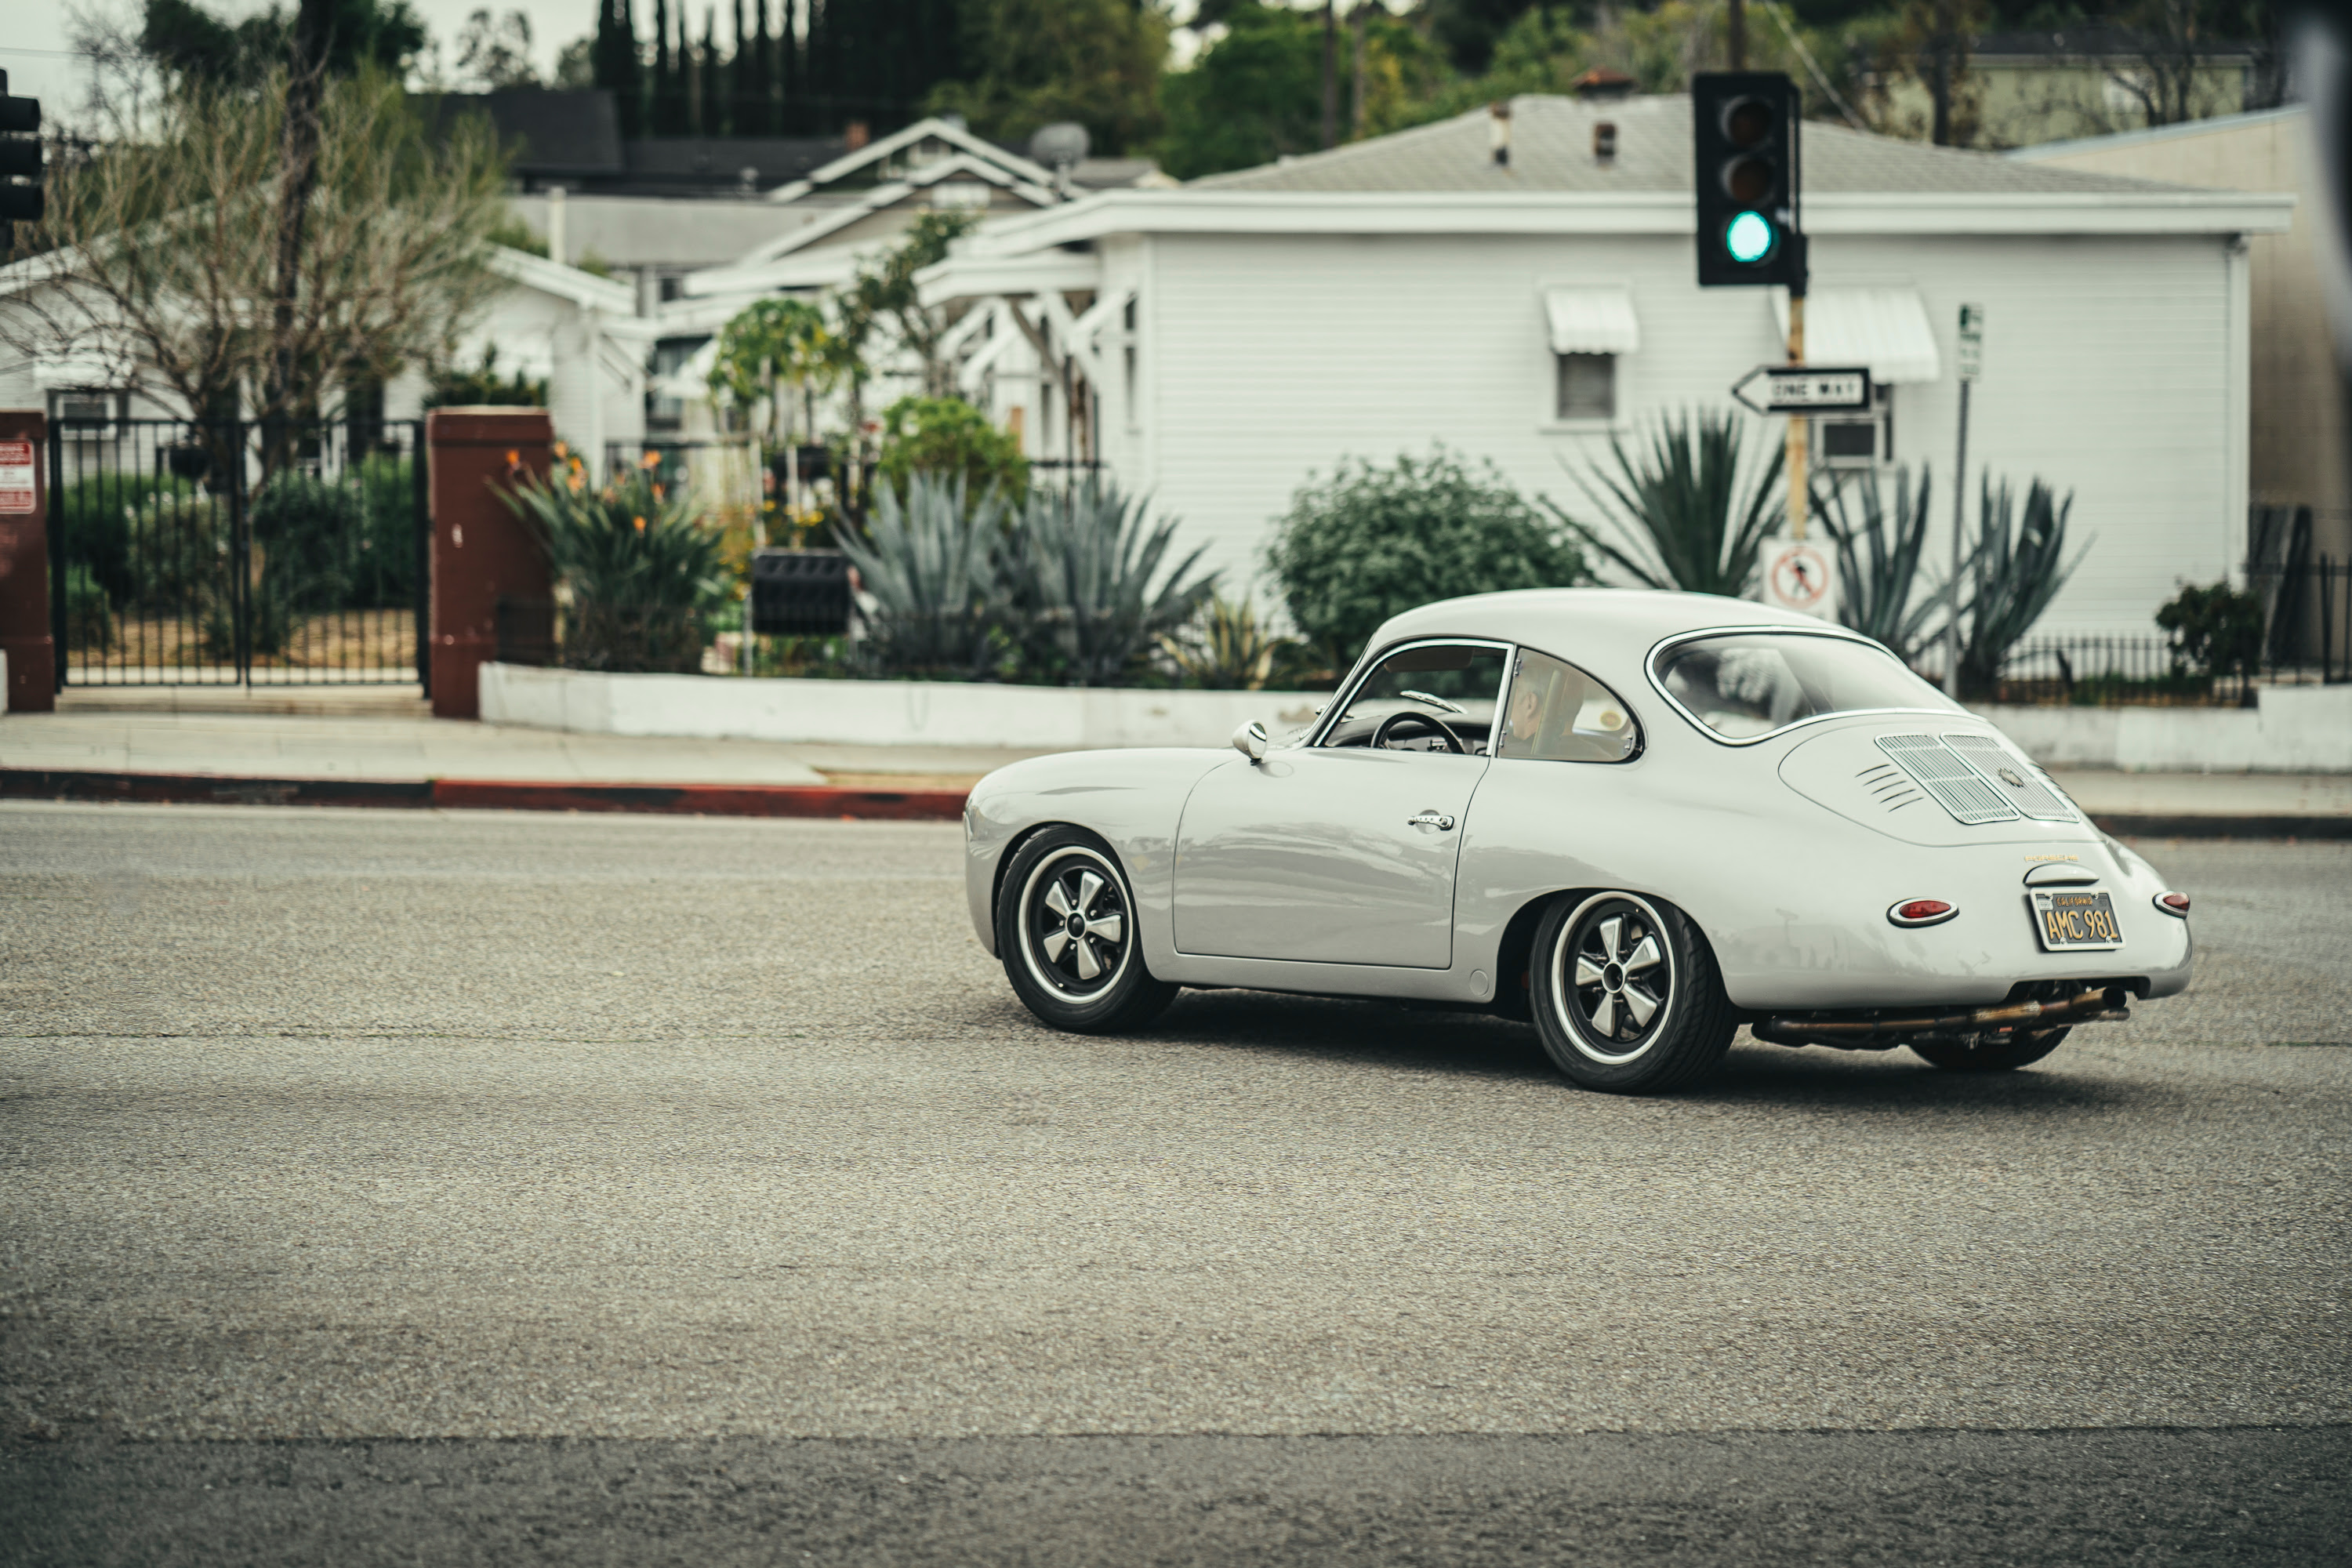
{"points": [[1551, 150]]}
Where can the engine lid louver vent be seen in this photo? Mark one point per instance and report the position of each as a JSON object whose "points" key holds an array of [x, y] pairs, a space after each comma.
{"points": [[2019, 779], [1889, 785], [1943, 772]]}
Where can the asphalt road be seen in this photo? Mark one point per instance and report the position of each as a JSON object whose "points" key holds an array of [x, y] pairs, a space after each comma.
{"points": [[474, 1187]]}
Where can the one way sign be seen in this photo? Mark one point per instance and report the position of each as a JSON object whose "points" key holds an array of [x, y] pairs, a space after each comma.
{"points": [[1806, 389]]}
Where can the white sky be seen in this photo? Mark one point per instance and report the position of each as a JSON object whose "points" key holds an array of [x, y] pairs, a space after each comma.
{"points": [[36, 49]]}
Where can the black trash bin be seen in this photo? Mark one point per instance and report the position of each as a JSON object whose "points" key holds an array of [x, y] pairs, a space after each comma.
{"points": [[800, 593]]}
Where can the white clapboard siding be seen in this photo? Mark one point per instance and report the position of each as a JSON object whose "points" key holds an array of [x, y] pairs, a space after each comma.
{"points": [[2107, 372]]}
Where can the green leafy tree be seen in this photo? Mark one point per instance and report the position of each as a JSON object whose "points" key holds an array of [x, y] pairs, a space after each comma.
{"points": [[190, 44], [946, 436], [1034, 62], [1373, 541], [1253, 95], [771, 347], [882, 298]]}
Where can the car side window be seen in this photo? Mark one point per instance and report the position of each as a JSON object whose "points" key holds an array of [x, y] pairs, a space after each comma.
{"points": [[1560, 714], [1428, 696]]}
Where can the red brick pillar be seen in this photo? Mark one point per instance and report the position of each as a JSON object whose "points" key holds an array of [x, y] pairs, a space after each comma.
{"points": [[25, 562], [481, 551]]}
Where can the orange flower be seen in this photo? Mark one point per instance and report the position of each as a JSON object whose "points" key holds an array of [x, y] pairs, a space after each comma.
{"points": [[641, 524], [514, 459], [651, 461]]}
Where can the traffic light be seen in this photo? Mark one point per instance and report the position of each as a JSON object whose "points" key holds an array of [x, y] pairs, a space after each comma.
{"points": [[21, 198], [1744, 134]]}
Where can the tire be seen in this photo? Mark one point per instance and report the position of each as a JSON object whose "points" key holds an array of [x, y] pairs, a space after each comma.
{"points": [[2001, 1056], [1595, 1032], [1065, 907]]}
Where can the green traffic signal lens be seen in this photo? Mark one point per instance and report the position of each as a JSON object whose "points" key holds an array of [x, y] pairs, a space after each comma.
{"points": [[1747, 237]]}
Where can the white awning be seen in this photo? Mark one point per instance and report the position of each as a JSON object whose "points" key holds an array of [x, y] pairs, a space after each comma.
{"points": [[1591, 320], [1883, 329]]}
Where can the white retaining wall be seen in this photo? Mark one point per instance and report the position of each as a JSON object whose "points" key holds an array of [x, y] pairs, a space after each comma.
{"points": [[878, 712], [2294, 730]]}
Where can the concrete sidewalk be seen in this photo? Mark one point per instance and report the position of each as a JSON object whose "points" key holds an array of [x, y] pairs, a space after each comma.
{"points": [[277, 757]]}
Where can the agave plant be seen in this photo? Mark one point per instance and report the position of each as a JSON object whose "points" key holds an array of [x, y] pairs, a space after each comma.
{"points": [[1080, 565], [1227, 649], [1680, 508], [640, 567], [1879, 558], [929, 560], [2017, 568]]}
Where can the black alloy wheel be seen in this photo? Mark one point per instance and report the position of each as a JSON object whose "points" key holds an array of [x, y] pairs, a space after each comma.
{"points": [[1628, 997], [1065, 931]]}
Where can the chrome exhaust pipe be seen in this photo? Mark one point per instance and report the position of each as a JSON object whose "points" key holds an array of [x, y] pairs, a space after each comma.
{"points": [[2102, 1005]]}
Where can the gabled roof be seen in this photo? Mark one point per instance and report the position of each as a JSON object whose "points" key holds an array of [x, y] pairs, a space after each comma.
{"points": [[548, 134], [2213, 125], [874, 154], [565, 282], [1551, 150]]}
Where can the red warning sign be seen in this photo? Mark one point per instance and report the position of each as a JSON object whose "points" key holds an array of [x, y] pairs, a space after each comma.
{"points": [[20, 482]]}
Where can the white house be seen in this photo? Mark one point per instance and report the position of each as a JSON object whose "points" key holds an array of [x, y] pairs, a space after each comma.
{"points": [[1216, 344]]}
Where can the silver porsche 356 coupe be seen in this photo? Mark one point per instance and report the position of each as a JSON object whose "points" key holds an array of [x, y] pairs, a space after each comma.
{"points": [[1637, 819]]}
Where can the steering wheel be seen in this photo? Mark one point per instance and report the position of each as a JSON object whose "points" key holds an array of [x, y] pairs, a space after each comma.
{"points": [[1429, 721]]}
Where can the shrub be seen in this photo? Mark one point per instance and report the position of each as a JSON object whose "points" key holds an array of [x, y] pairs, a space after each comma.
{"points": [[2217, 630], [929, 560], [1879, 558], [104, 525], [2016, 570], [1373, 541], [948, 437], [89, 618], [1687, 519], [1078, 569], [456, 386], [640, 567], [1228, 648]]}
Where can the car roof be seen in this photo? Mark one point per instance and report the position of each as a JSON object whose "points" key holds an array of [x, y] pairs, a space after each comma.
{"points": [[1589, 626]]}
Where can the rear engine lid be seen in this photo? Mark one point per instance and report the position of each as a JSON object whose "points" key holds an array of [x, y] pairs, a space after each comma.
{"points": [[1940, 785]]}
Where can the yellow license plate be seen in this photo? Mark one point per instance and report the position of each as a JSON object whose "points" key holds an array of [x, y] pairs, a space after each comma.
{"points": [[2068, 921]]}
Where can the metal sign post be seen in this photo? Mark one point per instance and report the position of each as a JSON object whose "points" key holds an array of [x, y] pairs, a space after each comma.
{"points": [[1971, 365]]}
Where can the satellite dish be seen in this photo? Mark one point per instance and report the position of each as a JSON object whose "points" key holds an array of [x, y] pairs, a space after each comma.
{"points": [[1058, 146]]}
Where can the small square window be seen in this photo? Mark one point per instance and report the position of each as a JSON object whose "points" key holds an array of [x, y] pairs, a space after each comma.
{"points": [[1587, 387]]}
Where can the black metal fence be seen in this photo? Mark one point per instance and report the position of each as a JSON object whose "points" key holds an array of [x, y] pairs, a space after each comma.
{"points": [[235, 552]]}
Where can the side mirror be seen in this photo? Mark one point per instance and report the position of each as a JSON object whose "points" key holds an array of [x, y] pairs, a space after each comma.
{"points": [[1250, 741]]}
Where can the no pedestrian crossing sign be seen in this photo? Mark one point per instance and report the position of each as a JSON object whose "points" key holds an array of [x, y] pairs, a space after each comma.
{"points": [[1799, 574], [1805, 389]]}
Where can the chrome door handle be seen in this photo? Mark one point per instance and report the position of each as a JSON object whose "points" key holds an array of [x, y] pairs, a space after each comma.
{"points": [[1436, 819]]}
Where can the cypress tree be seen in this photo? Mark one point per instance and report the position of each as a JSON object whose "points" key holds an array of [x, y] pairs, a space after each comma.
{"points": [[763, 76], [741, 108], [707, 94], [615, 64], [665, 68]]}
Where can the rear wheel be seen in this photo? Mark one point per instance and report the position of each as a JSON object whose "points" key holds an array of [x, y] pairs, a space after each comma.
{"points": [[2020, 1049], [1066, 927], [1627, 997]]}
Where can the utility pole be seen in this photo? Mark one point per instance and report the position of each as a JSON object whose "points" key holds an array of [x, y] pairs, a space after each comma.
{"points": [[1971, 365], [1739, 32], [1330, 74]]}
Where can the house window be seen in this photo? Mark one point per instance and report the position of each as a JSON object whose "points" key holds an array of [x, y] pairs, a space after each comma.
{"points": [[1586, 387], [666, 414], [87, 415]]}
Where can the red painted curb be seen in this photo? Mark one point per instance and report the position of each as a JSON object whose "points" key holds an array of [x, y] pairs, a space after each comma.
{"points": [[496, 794]]}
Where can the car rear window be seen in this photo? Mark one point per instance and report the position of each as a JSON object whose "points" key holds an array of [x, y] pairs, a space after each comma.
{"points": [[1743, 685]]}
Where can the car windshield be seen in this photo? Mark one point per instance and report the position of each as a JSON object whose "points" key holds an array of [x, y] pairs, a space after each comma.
{"points": [[1747, 684]]}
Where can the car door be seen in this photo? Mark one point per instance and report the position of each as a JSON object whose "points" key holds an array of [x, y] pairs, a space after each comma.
{"points": [[1341, 852]]}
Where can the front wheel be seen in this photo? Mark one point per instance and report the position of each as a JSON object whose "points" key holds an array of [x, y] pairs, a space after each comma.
{"points": [[1627, 996], [1066, 928], [2020, 1049]]}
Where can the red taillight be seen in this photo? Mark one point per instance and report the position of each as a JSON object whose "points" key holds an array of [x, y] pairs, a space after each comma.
{"points": [[1921, 912], [2173, 904]]}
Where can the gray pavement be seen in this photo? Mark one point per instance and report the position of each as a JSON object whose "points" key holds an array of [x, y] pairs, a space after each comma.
{"points": [[546, 1171]]}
